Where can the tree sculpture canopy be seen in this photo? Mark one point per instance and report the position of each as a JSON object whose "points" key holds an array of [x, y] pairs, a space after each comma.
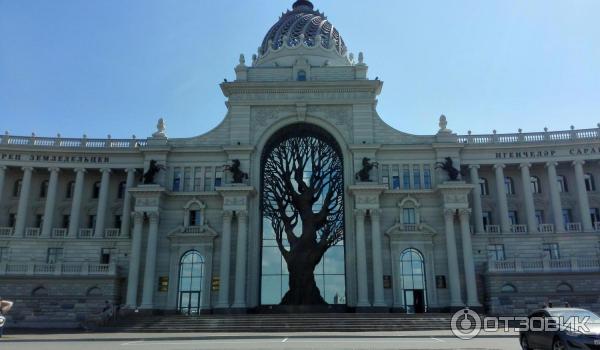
{"points": [[303, 199]]}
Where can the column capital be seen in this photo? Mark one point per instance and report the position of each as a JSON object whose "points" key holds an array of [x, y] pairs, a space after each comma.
{"points": [[153, 216], [105, 170], [137, 215], [3, 167], [524, 165], [130, 170], [80, 170], [227, 214], [449, 213], [499, 166], [578, 162], [54, 169], [27, 168], [375, 212], [551, 164], [241, 213], [464, 212], [360, 212], [474, 166]]}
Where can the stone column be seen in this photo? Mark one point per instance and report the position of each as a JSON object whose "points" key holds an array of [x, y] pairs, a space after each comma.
{"points": [[502, 201], [50, 203], [239, 301], [467, 247], [2, 180], [361, 260], [477, 211], [150, 267], [378, 295], [23, 207], [76, 205], [453, 273], [125, 217], [225, 257], [134, 260], [102, 203], [559, 225], [582, 197], [528, 197]]}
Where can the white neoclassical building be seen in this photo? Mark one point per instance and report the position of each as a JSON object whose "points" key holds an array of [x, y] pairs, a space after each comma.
{"points": [[519, 227]]}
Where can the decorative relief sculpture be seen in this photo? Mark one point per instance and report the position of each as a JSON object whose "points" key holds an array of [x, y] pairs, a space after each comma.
{"points": [[364, 174], [235, 169], [448, 167]]}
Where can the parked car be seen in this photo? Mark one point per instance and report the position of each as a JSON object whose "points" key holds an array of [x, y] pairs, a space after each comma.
{"points": [[558, 329]]}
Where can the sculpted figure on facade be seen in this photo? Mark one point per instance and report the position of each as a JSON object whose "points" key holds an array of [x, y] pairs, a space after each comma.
{"points": [[364, 174], [235, 169], [448, 167], [149, 177]]}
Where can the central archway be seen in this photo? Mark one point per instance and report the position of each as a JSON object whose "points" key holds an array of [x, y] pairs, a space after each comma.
{"points": [[302, 208]]}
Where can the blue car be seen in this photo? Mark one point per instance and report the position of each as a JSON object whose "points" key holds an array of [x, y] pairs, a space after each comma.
{"points": [[561, 329]]}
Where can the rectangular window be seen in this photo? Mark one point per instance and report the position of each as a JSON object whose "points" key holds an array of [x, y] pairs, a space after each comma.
{"points": [[198, 179], [195, 218], [218, 176], [187, 179], [39, 220], [539, 217], [409, 216], [595, 215], [406, 177], [496, 252], [3, 253], [118, 221], [427, 177], [66, 219], [91, 221], [551, 251], [513, 217], [105, 255], [417, 177], [396, 177], [176, 179], [12, 219], [208, 182], [487, 218], [54, 256], [567, 217], [385, 175]]}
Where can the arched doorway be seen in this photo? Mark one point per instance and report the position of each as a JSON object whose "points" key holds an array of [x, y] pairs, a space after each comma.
{"points": [[412, 277], [302, 208], [191, 274]]}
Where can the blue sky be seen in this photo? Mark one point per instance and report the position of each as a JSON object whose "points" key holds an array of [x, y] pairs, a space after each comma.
{"points": [[115, 66]]}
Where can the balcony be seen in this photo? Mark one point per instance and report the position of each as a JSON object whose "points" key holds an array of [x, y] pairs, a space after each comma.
{"points": [[7, 231], [546, 228], [32, 232], [86, 233], [112, 232], [545, 265], [518, 228], [57, 269], [573, 227], [60, 232], [492, 229], [411, 227]]}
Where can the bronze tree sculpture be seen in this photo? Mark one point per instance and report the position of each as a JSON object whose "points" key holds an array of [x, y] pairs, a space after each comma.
{"points": [[303, 200]]}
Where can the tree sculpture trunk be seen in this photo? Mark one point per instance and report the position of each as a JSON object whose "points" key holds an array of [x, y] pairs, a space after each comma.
{"points": [[303, 200]]}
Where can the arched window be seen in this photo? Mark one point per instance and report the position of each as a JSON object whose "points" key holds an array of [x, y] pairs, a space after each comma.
{"points": [[301, 75], [564, 288], [535, 185], [412, 279], [122, 188], [590, 184], [96, 190], [508, 288], [70, 189], [17, 188], [509, 185], [483, 185], [44, 189], [562, 184], [191, 274]]}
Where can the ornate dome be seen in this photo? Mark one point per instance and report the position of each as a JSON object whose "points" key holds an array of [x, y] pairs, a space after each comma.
{"points": [[303, 26]]}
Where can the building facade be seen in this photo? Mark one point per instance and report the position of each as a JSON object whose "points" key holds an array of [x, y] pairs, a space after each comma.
{"points": [[519, 227]]}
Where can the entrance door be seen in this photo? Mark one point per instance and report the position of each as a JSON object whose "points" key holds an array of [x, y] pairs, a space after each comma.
{"points": [[189, 303], [414, 301]]}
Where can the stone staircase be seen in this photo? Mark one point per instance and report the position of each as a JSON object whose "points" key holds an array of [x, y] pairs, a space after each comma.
{"points": [[269, 323]]}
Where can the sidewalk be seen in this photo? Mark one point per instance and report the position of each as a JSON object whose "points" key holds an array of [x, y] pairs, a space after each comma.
{"points": [[91, 336]]}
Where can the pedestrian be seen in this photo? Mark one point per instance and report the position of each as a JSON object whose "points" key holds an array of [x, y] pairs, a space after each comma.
{"points": [[5, 307]]}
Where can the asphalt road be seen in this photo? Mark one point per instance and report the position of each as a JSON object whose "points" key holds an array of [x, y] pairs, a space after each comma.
{"points": [[292, 343]]}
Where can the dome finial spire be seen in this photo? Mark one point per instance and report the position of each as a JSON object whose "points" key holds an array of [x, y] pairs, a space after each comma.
{"points": [[303, 3]]}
